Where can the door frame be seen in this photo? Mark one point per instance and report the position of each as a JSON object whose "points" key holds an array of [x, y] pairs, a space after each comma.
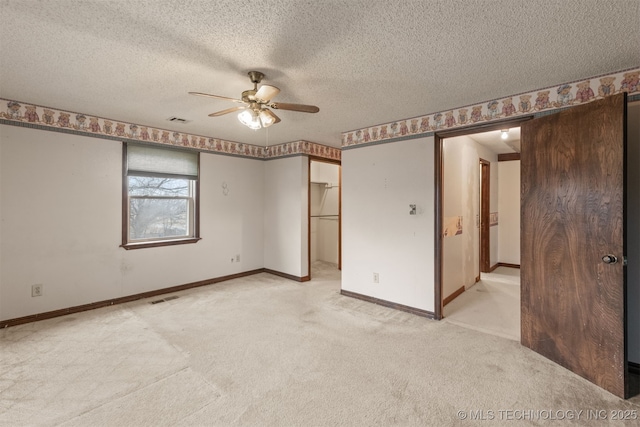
{"points": [[339, 164], [439, 138], [484, 213]]}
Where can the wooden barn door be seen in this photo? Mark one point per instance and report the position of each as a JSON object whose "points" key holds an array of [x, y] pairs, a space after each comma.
{"points": [[572, 236]]}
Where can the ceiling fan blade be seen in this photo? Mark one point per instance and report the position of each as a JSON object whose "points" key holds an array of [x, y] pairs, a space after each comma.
{"points": [[227, 111], [266, 92], [294, 107], [216, 96]]}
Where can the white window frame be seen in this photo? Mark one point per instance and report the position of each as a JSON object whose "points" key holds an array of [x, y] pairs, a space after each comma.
{"points": [[193, 206]]}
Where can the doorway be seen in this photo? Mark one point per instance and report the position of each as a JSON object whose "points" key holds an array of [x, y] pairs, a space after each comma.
{"points": [[564, 232], [324, 216], [480, 289]]}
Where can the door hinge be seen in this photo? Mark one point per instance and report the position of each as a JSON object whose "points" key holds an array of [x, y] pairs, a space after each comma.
{"points": [[624, 261]]}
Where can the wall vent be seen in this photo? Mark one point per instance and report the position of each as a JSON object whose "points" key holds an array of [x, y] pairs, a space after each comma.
{"points": [[175, 119]]}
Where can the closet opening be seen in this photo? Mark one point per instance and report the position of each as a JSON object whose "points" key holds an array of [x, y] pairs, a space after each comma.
{"points": [[324, 215]]}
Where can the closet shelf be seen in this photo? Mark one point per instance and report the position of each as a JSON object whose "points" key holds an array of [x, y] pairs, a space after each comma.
{"points": [[326, 184]]}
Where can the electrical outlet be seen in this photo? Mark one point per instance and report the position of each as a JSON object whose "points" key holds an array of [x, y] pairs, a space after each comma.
{"points": [[376, 278], [36, 290], [238, 258]]}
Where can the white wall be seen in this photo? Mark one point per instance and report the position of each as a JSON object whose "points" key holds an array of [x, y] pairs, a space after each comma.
{"points": [[460, 198], [378, 234], [325, 172], [324, 198], [633, 231], [509, 212], [461, 192], [61, 224], [286, 215]]}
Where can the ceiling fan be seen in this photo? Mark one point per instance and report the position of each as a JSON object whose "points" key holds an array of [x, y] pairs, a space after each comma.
{"points": [[255, 112]]}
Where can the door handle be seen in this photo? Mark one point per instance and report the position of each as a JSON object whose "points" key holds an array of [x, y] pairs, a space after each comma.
{"points": [[610, 259]]}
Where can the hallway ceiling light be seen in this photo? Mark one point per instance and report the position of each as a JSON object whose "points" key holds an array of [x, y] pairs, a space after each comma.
{"points": [[505, 133]]}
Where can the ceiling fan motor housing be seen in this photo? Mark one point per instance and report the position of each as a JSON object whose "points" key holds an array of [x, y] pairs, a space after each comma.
{"points": [[249, 95], [255, 76]]}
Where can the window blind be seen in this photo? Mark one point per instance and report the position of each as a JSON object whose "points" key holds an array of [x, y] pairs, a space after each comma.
{"points": [[143, 160]]}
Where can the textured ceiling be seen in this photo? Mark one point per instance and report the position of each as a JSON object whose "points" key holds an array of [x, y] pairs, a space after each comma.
{"points": [[493, 140], [362, 62]]}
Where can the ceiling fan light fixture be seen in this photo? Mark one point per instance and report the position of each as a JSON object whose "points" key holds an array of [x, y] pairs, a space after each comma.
{"points": [[266, 118], [250, 119]]}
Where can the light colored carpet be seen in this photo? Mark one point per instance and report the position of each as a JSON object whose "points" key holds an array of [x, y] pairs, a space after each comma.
{"points": [[266, 351], [492, 305]]}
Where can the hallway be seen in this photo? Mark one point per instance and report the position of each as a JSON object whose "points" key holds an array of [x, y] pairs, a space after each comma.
{"points": [[492, 305]]}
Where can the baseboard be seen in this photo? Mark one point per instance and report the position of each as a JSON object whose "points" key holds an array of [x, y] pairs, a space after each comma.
{"points": [[287, 276], [453, 296], [505, 264], [396, 306], [121, 300], [634, 368]]}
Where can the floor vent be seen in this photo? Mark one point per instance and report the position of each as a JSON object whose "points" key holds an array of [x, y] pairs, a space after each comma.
{"points": [[164, 299]]}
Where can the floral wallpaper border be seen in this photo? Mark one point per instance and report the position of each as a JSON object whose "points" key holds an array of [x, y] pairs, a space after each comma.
{"points": [[562, 96], [303, 147], [31, 115]]}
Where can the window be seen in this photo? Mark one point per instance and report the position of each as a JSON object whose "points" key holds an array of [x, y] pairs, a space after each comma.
{"points": [[160, 196]]}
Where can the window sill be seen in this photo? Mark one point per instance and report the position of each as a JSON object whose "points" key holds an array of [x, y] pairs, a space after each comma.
{"points": [[158, 243]]}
